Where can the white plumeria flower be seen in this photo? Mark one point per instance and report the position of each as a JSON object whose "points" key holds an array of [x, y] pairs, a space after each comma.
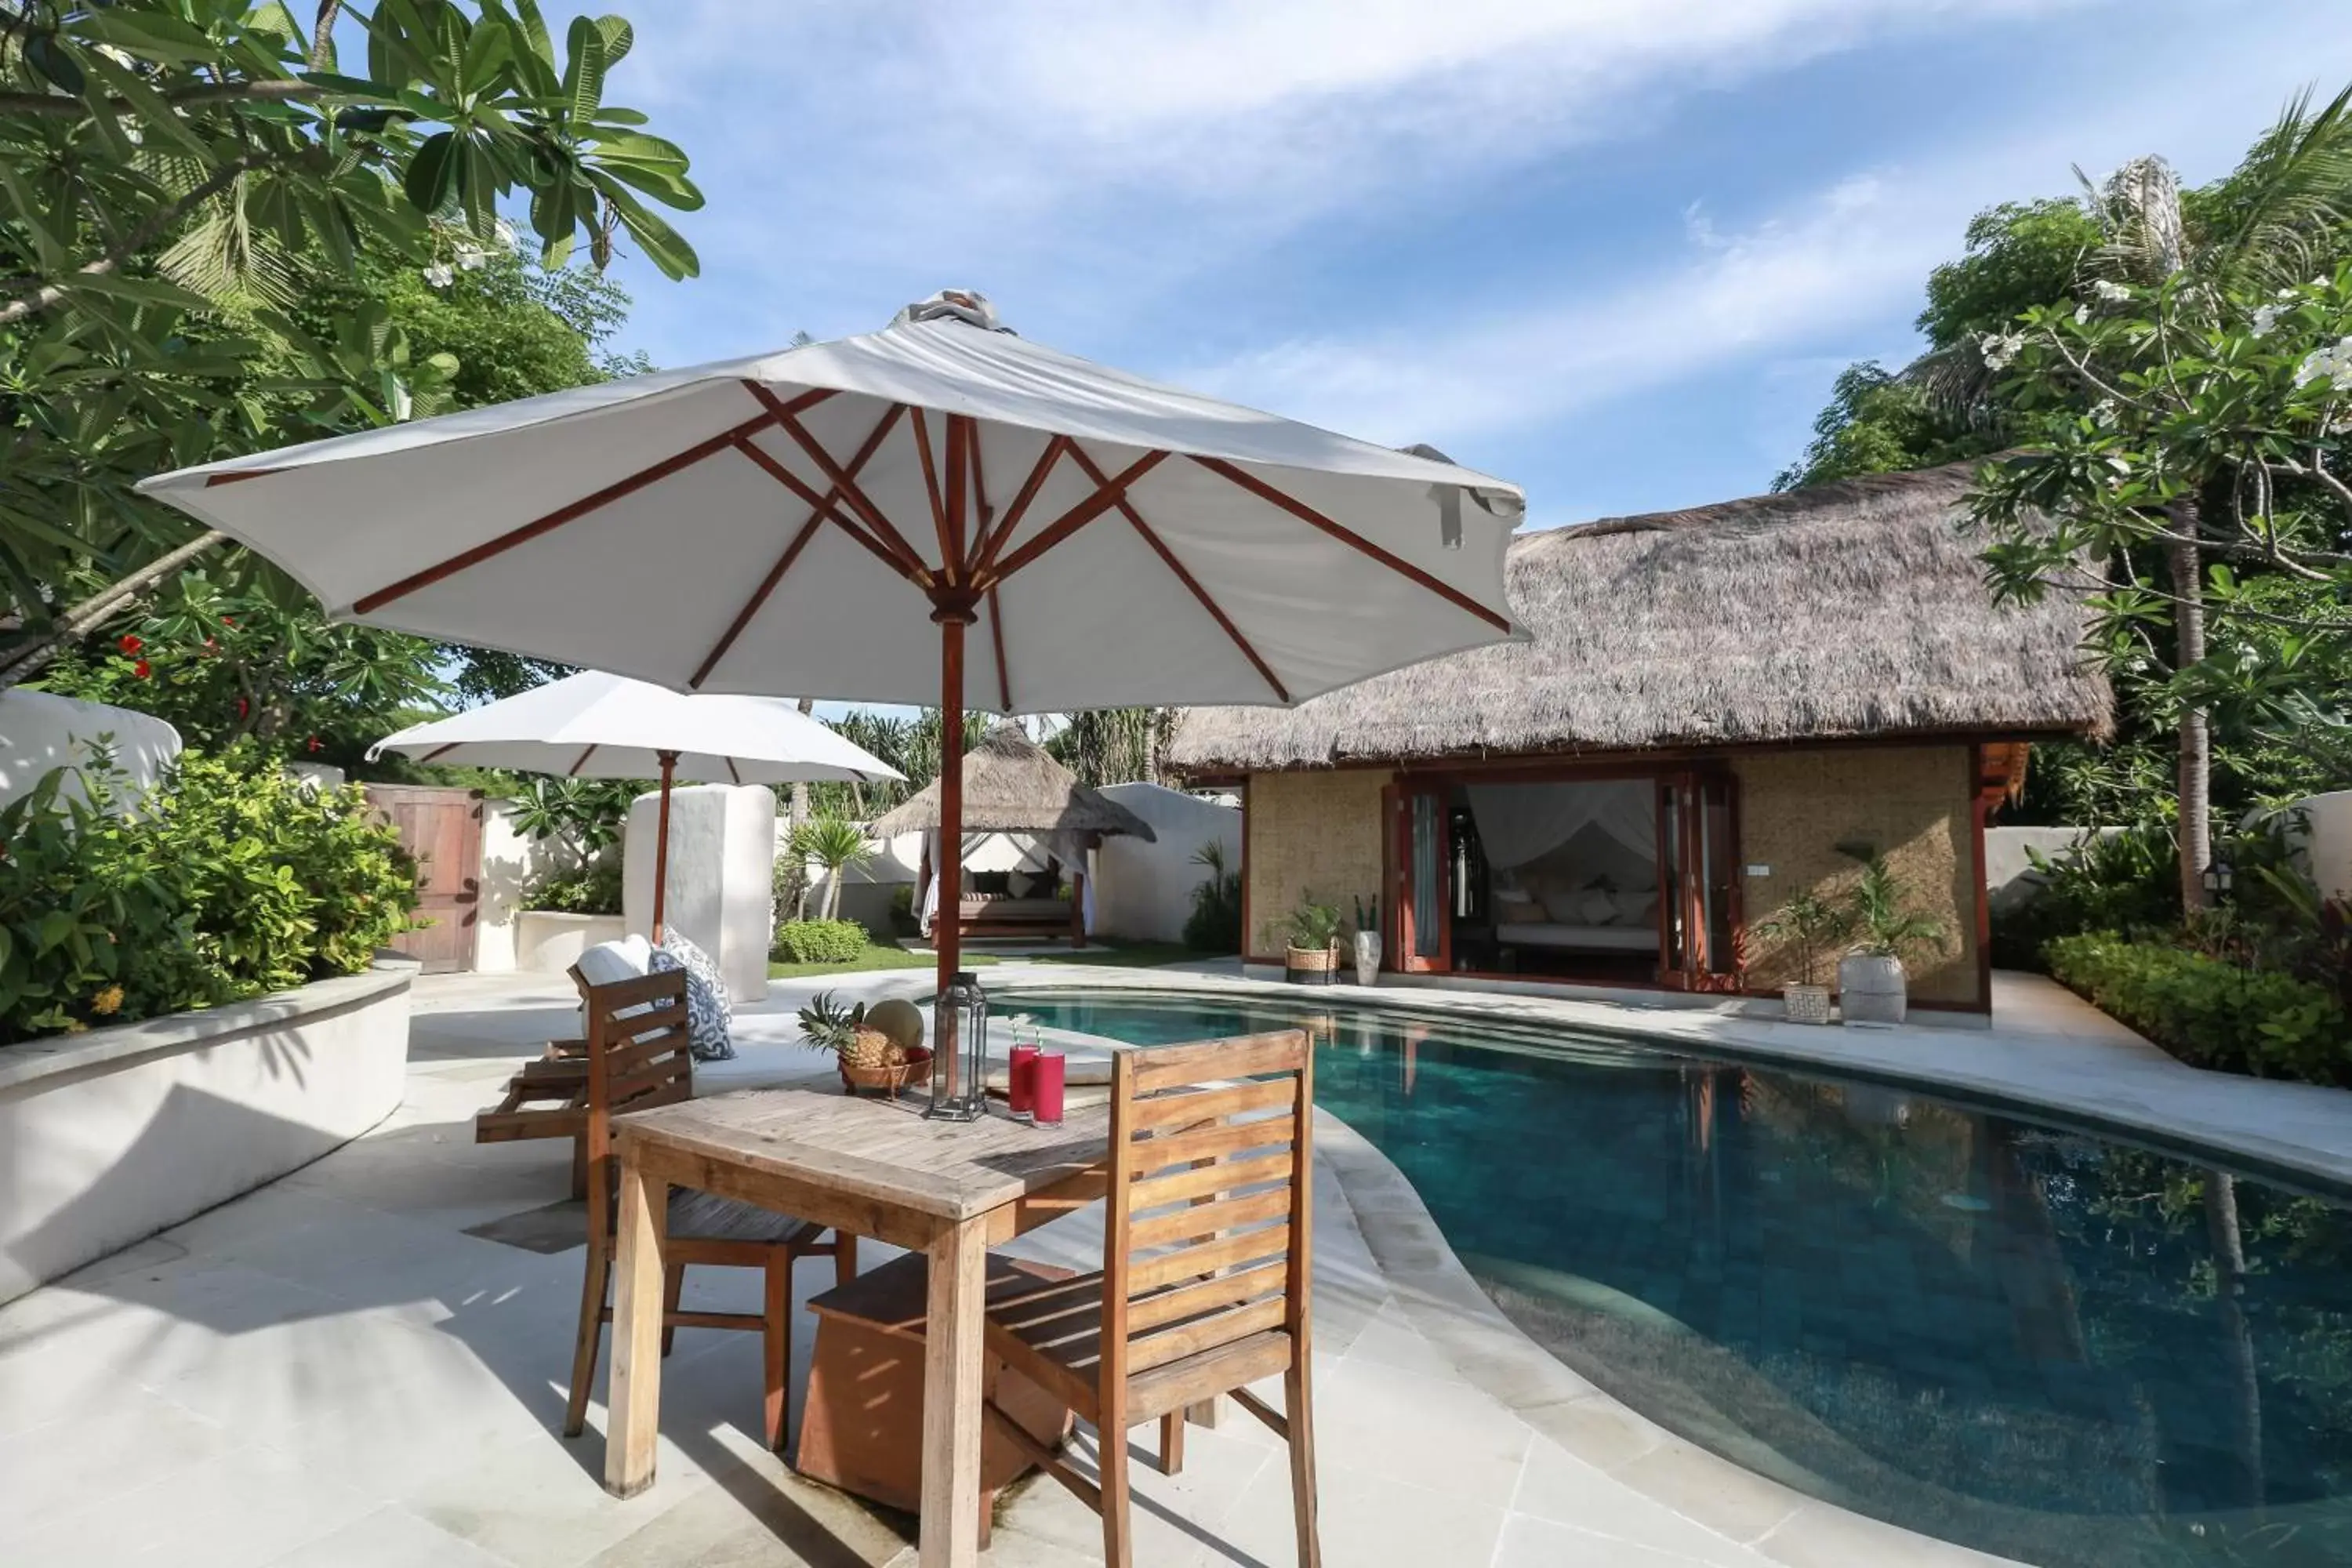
{"points": [[2000, 348], [439, 275], [2110, 292], [2082, 314], [2332, 365], [2266, 318], [2104, 411], [472, 258]]}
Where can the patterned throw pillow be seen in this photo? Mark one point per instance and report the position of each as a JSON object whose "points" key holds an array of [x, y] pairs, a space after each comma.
{"points": [[708, 1009]]}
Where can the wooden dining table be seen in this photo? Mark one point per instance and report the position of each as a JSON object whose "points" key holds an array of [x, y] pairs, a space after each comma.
{"points": [[875, 1167]]}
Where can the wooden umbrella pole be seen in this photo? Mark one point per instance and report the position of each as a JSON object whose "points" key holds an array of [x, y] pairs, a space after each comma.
{"points": [[948, 928], [661, 843]]}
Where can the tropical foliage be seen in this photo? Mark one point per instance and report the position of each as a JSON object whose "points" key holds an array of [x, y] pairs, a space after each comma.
{"points": [[230, 879], [201, 201], [818, 942], [1216, 923], [2209, 1011], [838, 847]]}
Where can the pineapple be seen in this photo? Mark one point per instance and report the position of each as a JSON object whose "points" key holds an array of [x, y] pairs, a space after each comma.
{"points": [[842, 1028]]}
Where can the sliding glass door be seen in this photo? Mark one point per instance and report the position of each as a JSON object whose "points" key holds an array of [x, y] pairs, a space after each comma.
{"points": [[1420, 879], [1699, 934]]}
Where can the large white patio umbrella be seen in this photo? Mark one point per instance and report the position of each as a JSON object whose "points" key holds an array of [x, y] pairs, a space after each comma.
{"points": [[600, 726], [798, 522]]}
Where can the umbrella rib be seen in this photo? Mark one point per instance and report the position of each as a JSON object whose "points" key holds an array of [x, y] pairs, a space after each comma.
{"points": [[791, 552], [1105, 496], [931, 480], [996, 636], [1160, 547], [489, 549], [1307, 514], [582, 760], [731, 771], [872, 515], [905, 566], [985, 556]]}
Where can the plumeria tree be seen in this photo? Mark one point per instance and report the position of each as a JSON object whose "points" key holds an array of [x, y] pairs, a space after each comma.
{"points": [[178, 177], [2190, 464]]}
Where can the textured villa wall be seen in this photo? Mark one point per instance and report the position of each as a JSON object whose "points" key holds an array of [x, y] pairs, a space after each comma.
{"points": [[1912, 803], [1307, 833]]}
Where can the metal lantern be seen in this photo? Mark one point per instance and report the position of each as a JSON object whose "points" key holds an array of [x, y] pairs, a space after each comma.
{"points": [[960, 1051]]}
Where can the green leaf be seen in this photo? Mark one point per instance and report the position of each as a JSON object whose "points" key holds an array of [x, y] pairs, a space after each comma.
{"points": [[583, 77], [433, 173], [137, 290], [54, 58], [619, 38]]}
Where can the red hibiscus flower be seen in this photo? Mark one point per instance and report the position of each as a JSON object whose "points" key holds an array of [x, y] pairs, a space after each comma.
{"points": [[316, 742], [243, 707], [228, 620], [143, 669], [129, 644]]}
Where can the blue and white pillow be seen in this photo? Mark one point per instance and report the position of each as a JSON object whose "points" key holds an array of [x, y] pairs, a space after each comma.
{"points": [[708, 1009]]}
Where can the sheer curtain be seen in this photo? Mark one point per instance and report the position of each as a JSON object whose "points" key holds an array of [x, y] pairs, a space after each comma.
{"points": [[1519, 822]]}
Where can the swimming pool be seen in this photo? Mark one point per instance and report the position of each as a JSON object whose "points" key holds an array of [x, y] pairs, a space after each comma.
{"points": [[2029, 1339]]}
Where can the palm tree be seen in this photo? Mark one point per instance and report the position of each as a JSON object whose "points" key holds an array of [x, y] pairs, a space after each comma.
{"points": [[838, 846]]}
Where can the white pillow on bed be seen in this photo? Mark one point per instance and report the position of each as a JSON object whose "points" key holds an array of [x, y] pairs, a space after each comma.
{"points": [[1596, 906], [1565, 906]]}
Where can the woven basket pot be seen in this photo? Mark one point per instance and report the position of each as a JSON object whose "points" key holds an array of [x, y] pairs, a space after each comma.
{"points": [[1310, 965], [1806, 1004]]}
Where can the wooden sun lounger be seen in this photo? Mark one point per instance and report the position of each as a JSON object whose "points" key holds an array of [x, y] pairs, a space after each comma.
{"points": [[548, 1099], [994, 917]]}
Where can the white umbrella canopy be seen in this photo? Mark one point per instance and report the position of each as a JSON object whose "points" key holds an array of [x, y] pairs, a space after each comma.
{"points": [[601, 726], [795, 523]]}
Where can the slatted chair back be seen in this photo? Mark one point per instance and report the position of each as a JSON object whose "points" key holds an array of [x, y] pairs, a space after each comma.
{"points": [[639, 1058], [1207, 1244]]}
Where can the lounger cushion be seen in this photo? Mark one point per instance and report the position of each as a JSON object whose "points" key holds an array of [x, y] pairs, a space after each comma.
{"points": [[708, 1009]]}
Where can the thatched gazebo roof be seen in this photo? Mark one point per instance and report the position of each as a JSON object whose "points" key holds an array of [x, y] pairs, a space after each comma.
{"points": [[1010, 785], [1855, 608]]}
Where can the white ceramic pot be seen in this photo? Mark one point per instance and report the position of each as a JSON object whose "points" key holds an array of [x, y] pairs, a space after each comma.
{"points": [[1871, 990], [1368, 958]]}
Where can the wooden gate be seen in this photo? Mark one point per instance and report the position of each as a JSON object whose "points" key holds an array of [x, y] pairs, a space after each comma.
{"points": [[443, 828]]}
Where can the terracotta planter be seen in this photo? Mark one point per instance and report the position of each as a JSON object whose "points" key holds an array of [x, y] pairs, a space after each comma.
{"points": [[1806, 1004], [1310, 965], [1872, 993]]}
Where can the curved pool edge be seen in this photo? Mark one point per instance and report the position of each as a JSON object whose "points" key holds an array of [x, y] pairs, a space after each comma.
{"points": [[2099, 1101], [1450, 1310]]}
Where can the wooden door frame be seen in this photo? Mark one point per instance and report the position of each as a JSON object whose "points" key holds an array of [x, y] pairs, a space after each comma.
{"points": [[1400, 845], [1696, 972]]}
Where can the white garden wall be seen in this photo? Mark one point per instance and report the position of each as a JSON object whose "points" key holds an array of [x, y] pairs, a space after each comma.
{"points": [[1144, 892], [2327, 836], [722, 854], [39, 731], [108, 1137]]}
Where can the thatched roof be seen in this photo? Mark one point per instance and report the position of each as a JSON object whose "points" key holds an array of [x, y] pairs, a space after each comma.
{"points": [[1854, 608], [1010, 785]]}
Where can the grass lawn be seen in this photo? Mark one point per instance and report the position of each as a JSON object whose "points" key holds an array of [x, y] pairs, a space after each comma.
{"points": [[876, 956]]}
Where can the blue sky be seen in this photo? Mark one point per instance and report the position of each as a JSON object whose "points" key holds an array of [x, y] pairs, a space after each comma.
{"points": [[1613, 249]]}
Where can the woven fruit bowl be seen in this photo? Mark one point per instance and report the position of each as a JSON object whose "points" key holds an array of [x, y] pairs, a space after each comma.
{"points": [[888, 1074]]}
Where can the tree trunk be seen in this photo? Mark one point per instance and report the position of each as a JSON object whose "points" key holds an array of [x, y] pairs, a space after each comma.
{"points": [[29, 660], [2228, 1242], [2195, 774]]}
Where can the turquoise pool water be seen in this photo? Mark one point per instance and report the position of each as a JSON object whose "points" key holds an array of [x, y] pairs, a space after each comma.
{"points": [[2002, 1331]]}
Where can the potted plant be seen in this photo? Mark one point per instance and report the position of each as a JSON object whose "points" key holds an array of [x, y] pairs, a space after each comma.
{"points": [[869, 1056], [1872, 990], [1312, 931], [1368, 941], [1811, 925]]}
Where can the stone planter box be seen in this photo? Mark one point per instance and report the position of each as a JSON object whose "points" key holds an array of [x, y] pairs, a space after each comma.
{"points": [[108, 1137], [547, 943]]}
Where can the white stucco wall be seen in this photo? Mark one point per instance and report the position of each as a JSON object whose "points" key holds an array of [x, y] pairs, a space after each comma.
{"points": [[2326, 841], [110, 1136], [2009, 877], [511, 863], [722, 849], [39, 731], [1144, 892]]}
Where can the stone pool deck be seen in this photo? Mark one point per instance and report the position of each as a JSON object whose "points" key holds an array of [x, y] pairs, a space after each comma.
{"points": [[339, 1369]]}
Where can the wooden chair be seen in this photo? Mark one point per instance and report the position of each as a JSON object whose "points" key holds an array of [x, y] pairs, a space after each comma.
{"points": [[1204, 1287], [638, 1058]]}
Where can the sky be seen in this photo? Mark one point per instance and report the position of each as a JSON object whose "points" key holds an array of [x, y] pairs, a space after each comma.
{"points": [[1614, 250]]}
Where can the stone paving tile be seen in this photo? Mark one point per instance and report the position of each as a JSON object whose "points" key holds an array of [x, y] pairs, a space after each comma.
{"points": [[390, 1537]]}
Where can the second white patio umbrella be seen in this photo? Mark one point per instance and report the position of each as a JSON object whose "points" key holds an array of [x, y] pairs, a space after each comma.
{"points": [[600, 726]]}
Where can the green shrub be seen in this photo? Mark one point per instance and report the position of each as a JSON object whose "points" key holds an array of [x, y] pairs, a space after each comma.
{"points": [[231, 878], [818, 942], [2126, 882], [595, 891], [2210, 1013], [1216, 923]]}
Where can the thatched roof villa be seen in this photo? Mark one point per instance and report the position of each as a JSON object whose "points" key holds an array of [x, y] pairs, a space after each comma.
{"points": [[1715, 700]]}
